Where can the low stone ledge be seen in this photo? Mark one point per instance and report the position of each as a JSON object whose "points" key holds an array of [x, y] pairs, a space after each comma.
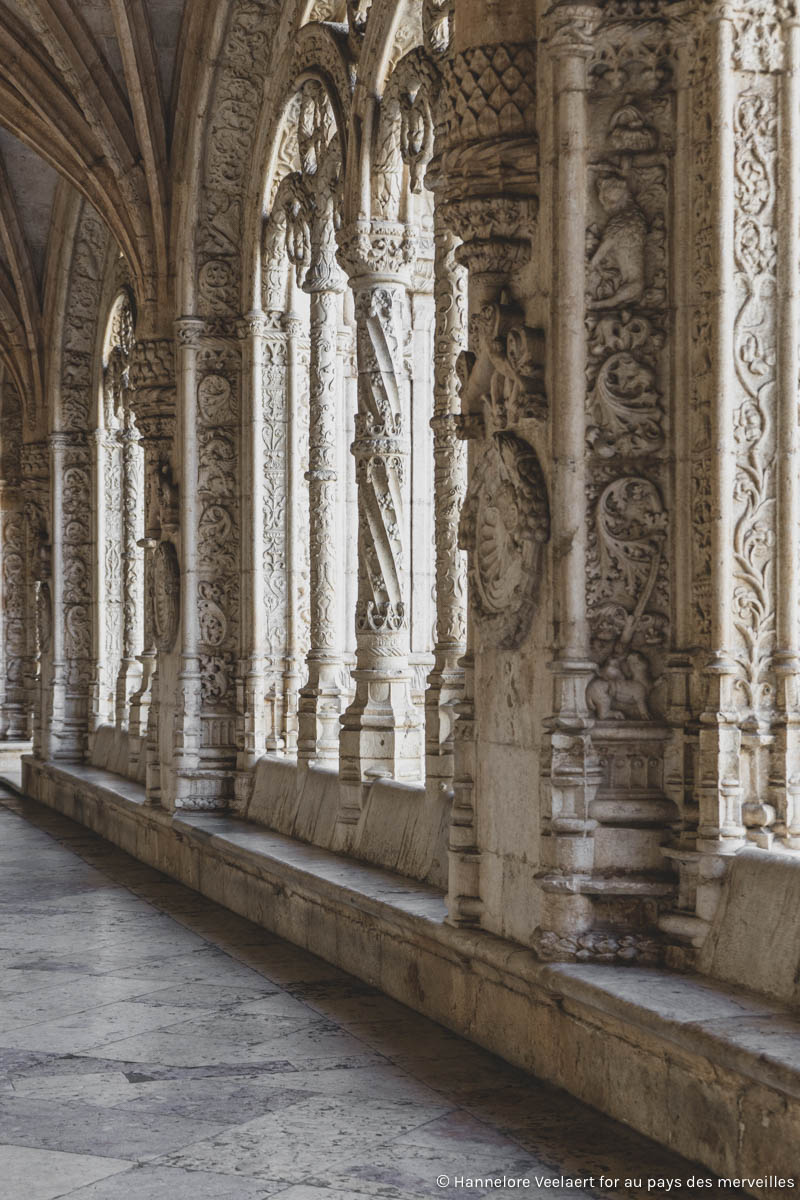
{"points": [[707, 1068]]}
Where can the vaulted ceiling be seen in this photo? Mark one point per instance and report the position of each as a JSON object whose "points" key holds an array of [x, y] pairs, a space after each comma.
{"points": [[86, 101]]}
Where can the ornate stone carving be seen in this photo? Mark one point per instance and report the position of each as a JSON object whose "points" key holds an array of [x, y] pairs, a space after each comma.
{"points": [[756, 352], [626, 411], [504, 376], [624, 570], [599, 946], [504, 525], [446, 680], [166, 595]]}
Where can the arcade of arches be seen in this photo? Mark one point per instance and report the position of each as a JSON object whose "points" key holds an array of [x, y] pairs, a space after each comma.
{"points": [[400, 506]]}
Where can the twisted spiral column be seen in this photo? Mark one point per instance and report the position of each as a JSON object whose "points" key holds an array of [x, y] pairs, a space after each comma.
{"points": [[381, 732]]}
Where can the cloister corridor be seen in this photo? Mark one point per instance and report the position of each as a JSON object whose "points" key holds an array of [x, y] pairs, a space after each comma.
{"points": [[399, 598], [153, 1045]]}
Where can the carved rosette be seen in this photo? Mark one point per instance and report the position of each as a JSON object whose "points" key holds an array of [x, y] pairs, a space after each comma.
{"points": [[166, 596], [504, 526]]}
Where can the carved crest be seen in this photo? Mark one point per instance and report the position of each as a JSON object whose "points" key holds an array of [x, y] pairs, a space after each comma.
{"points": [[504, 525], [166, 595]]}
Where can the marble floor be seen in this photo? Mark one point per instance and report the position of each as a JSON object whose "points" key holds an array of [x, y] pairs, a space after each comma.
{"points": [[153, 1046]]}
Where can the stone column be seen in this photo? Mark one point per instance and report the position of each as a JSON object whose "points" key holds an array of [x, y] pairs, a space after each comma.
{"points": [[321, 697], [785, 773], [130, 671], [254, 330], [485, 177], [183, 619], [152, 383], [446, 680], [745, 290], [721, 830], [38, 600], [71, 499], [54, 670], [381, 730], [107, 520], [286, 703], [571, 772]]}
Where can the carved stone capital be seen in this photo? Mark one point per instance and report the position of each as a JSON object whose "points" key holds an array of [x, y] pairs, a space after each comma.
{"points": [[371, 251], [495, 231], [189, 331], [65, 441], [254, 325], [569, 29]]}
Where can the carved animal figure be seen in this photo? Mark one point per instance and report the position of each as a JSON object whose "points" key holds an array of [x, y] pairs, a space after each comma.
{"points": [[619, 691]]}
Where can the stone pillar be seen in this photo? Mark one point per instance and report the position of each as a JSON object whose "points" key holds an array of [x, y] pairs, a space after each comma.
{"points": [[446, 680], [744, 290], [181, 624], [254, 330], [152, 384], [38, 598], [67, 696], [107, 592], [485, 177], [321, 697], [130, 670], [785, 767], [571, 771], [286, 704], [381, 729]]}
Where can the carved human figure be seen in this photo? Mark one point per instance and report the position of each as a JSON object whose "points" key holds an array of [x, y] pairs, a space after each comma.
{"points": [[617, 266]]}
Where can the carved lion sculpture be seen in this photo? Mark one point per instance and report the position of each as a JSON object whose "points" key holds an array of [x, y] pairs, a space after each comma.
{"points": [[619, 691]]}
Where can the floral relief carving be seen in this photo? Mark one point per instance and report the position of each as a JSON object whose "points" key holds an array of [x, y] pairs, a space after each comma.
{"points": [[627, 323], [626, 413], [755, 339], [626, 559]]}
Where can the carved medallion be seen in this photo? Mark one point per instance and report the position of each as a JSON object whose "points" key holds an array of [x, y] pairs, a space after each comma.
{"points": [[504, 525], [166, 595]]}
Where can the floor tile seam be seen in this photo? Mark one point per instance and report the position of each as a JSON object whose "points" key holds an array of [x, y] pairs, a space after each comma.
{"points": [[53, 1150], [84, 1187], [74, 1013]]}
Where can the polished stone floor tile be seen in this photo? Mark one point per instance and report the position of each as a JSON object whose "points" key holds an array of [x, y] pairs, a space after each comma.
{"points": [[44, 1175], [173, 1183], [154, 1046]]}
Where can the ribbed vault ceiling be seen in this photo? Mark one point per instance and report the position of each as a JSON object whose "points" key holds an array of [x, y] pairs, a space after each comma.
{"points": [[85, 97]]}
